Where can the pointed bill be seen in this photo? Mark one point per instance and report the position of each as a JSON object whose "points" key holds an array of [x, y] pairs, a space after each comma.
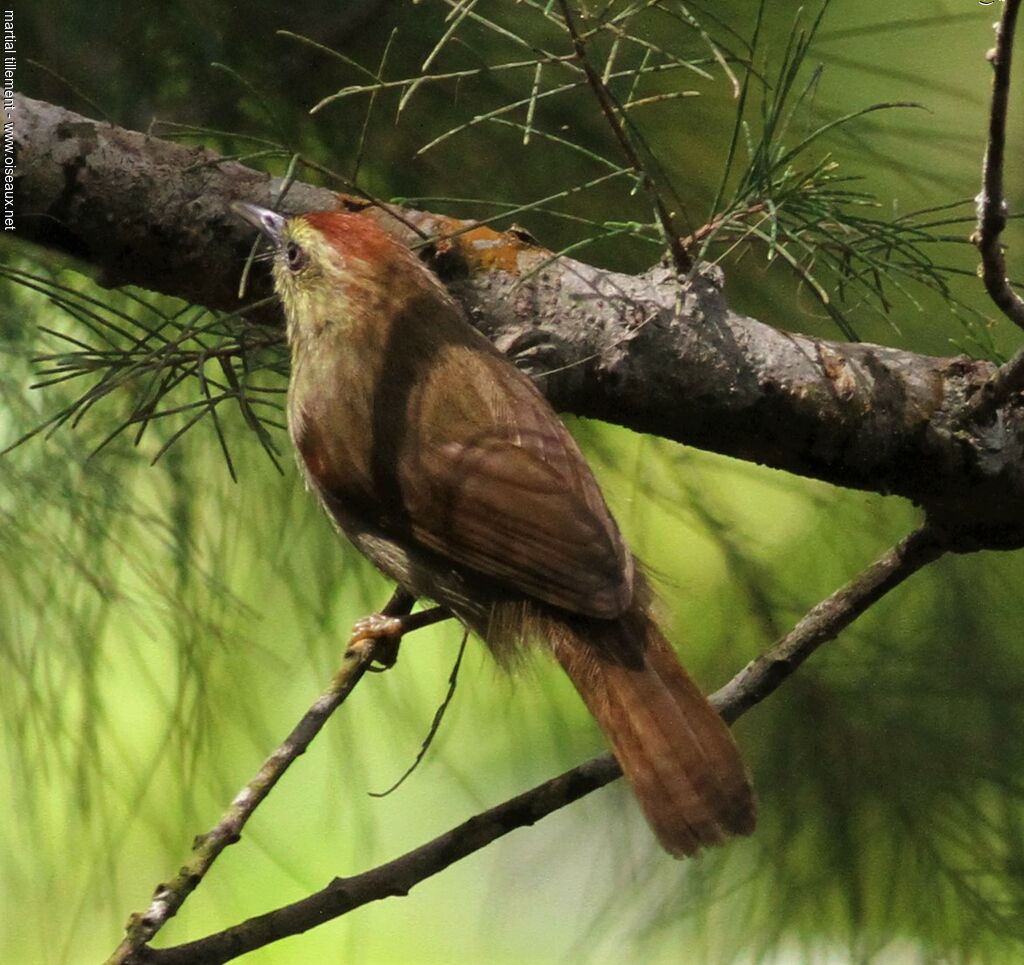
{"points": [[269, 223]]}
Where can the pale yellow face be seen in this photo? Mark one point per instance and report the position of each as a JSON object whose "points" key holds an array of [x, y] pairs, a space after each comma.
{"points": [[311, 278]]}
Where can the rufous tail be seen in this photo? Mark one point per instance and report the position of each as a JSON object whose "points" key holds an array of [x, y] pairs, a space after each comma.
{"points": [[673, 747]]}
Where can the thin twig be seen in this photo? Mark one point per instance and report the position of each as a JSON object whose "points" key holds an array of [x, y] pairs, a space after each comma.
{"points": [[169, 897], [992, 211], [680, 257], [697, 237], [395, 878], [827, 620], [435, 724], [1005, 382]]}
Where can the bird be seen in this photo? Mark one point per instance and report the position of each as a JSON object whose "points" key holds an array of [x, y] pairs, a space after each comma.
{"points": [[442, 463]]}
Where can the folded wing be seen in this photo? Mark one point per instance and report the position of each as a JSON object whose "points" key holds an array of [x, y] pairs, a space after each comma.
{"points": [[495, 505]]}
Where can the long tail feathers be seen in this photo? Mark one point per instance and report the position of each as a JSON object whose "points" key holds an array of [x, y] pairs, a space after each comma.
{"points": [[673, 747]]}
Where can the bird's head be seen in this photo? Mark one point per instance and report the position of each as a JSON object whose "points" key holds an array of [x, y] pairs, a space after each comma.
{"points": [[325, 262]]}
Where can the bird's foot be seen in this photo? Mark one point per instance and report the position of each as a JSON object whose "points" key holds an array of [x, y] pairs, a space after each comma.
{"points": [[380, 632]]}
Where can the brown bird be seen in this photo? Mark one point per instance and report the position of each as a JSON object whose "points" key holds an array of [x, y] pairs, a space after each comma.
{"points": [[444, 465]]}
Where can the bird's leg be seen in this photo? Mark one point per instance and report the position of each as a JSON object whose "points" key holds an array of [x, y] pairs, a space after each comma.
{"points": [[384, 630]]}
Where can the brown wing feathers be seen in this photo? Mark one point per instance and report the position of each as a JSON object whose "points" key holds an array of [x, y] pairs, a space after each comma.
{"points": [[497, 508]]}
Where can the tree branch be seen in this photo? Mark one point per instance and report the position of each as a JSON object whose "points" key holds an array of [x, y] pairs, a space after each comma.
{"points": [[638, 351], [827, 620], [396, 878], [992, 211], [612, 114], [992, 216], [169, 897]]}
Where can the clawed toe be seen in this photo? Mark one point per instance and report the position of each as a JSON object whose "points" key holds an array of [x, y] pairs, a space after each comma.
{"points": [[383, 633]]}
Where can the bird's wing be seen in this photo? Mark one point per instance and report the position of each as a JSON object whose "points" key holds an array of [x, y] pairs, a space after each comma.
{"points": [[495, 506]]}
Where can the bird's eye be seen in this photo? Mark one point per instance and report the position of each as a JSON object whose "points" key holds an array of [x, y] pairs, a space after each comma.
{"points": [[294, 256]]}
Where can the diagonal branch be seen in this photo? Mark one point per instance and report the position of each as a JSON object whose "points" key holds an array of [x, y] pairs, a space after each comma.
{"points": [[396, 878], [680, 257], [992, 210], [365, 647], [169, 897], [635, 350], [825, 621]]}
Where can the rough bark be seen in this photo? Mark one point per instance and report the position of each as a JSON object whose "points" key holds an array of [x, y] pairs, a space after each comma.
{"points": [[640, 351]]}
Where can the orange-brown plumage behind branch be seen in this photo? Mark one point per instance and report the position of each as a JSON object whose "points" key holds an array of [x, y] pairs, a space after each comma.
{"points": [[442, 463]]}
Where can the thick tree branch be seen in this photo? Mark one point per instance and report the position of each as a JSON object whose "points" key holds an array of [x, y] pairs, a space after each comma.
{"points": [[634, 350], [396, 878]]}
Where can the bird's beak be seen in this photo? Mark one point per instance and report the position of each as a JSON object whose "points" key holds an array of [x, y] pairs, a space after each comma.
{"points": [[270, 223]]}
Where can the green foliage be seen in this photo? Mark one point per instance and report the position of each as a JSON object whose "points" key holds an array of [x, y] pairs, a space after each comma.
{"points": [[157, 361]]}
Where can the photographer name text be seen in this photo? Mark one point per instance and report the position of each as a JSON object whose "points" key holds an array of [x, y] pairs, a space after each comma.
{"points": [[10, 65]]}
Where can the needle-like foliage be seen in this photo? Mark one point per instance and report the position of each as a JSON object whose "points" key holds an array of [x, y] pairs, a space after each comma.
{"points": [[177, 367]]}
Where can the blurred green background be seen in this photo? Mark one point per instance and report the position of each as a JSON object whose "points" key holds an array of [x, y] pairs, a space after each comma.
{"points": [[162, 627]]}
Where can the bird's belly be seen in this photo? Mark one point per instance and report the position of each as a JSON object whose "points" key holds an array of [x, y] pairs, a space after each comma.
{"points": [[417, 570]]}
